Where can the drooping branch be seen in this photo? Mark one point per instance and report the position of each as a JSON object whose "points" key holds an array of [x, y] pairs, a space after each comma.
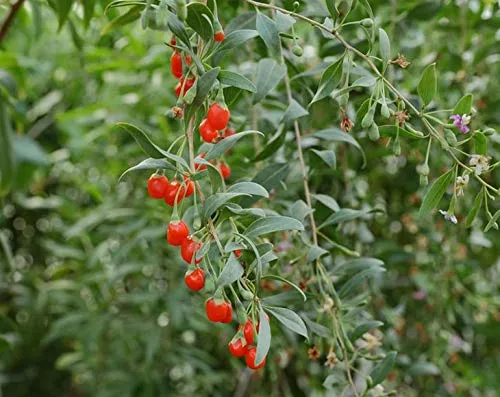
{"points": [[7, 23]]}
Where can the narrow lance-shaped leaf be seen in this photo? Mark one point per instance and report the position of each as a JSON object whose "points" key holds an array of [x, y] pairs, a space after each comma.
{"points": [[330, 79], [269, 74], [231, 272], [385, 45], [199, 18], [233, 79], [151, 164], [427, 87], [478, 202], [273, 224], [289, 319], [263, 338], [269, 33], [435, 193], [227, 143], [381, 371]]}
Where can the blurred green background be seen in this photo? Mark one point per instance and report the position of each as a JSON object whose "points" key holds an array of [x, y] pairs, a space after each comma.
{"points": [[92, 301]]}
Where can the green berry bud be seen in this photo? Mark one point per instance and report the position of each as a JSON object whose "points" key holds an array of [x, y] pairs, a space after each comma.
{"points": [[384, 111], [423, 169], [424, 180], [397, 148], [373, 132], [368, 119], [367, 22], [297, 50]]}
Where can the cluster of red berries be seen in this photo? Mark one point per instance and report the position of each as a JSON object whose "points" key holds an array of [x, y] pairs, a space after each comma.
{"points": [[176, 66], [241, 344], [172, 192]]}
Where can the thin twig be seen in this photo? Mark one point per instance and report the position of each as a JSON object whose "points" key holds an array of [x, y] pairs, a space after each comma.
{"points": [[7, 23]]}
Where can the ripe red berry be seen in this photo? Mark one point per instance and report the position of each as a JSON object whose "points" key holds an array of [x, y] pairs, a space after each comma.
{"points": [[229, 313], [219, 36], [177, 232], [250, 359], [248, 332], [195, 280], [218, 116], [173, 191], [189, 248], [187, 86], [224, 170], [216, 312], [207, 131], [176, 64], [189, 187], [237, 347], [173, 41], [237, 253], [157, 186]]}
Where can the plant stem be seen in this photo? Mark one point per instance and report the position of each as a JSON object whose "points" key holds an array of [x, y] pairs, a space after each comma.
{"points": [[7, 23]]}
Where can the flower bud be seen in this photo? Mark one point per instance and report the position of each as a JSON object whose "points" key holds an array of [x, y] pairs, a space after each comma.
{"points": [[368, 119], [384, 111], [373, 132], [423, 169], [367, 22], [297, 50]]}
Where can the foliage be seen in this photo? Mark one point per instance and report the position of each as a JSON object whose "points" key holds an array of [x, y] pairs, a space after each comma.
{"points": [[365, 282]]}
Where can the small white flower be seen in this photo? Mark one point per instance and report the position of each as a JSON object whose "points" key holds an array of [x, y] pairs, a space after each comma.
{"points": [[449, 217], [377, 391], [369, 342], [327, 306], [465, 119], [480, 163], [461, 183]]}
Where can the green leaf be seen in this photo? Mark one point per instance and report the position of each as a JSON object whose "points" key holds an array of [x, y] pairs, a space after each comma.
{"points": [[332, 9], [427, 87], [358, 279], [217, 200], [269, 74], [88, 11], [478, 202], [236, 39], [384, 46], [423, 369], [381, 371], [364, 328], [148, 146], [199, 18], [435, 193], [392, 131], [203, 86], [464, 105], [343, 215], [336, 135], [213, 173], [130, 16], [493, 222], [328, 156], [178, 29], [238, 210], [330, 79], [150, 164], [251, 188], [315, 252], [273, 145], [327, 201], [355, 265], [273, 224], [316, 328], [289, 319], [231, 272], [480, 143], [269, 33], [6, 149], [263, 338], [227, 143], [63, 8], [294, 112], [284, 280], [269, 178], [233, 79]]}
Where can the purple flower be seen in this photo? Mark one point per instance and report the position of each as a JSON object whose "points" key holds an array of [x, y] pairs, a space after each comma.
{"points": [[461, 122]]}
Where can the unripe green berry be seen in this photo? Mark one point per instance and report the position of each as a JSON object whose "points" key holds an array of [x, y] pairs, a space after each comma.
{"points": [[423, 169], [367, 22], [397, 148], [384, 111], [373, 132], [424, 180], [368, 119], [297, 50]]}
